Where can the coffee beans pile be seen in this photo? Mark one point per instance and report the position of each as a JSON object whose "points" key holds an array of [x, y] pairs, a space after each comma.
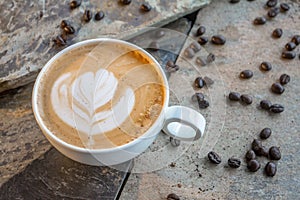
{"points": [[202, 102], [278, 88], [289, 52]]}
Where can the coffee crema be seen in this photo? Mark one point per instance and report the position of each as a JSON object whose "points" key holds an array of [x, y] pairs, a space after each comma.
{"points": [[101, 95]]}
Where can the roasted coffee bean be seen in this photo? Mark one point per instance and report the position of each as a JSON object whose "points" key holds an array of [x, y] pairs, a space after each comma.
{"points": [[69, 30], [74, 4], [154, 46], [200, 31], [195, 46], [274, 153], [270, 169], [87, 15], [218, 39], [296, 39], [210, 57], [160, 33], [276, 108], [256, 145], [273, 12], [197, 96], [277, 33], [234, 162], [271, 3], [173, 69], [99, 15], [253, 165], [146, 7], [284, 7], [265, 104], [265, 66], [170, 63], [174, 142], [288, 55], [203, 104], [234, 1], [125, 2], [259, 20], [246, 74], [277, 88], [250, 155], [247, 99], [284, 79], [214, 157], [265, 133], [60, 41], [234, 96], [208, 81], [199, 82], [202, 40], [263, 151], [290, 46], [64, 23], [189, 52], [200, 61], [173, 196]]}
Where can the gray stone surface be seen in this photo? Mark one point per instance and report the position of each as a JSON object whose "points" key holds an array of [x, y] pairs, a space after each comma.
{"points": [[231, 126], [28, 27]]}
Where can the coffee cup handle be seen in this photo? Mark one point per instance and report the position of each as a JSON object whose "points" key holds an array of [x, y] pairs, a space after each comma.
{"points": [[183, 123]]}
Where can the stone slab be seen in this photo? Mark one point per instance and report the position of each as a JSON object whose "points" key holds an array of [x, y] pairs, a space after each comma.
{"points": [[28, 27], [231, 127]]}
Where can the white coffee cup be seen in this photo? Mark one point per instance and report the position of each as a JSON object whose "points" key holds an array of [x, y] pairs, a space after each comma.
{"points": [[180, 122]]}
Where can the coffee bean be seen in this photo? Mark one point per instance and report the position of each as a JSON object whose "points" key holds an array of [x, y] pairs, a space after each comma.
{"points": [[69, 30], [200, 31], [146, 7], [199, 82], [284, 7], [64, 23], [60, 41], [250, 155], [195, 46], [273, 12], [247, 99], [125, 2], [170, 63], [234, 162], [263, 151], [290, 46], [189, 52], [288, 55], [271, 3], [296, 39], [277, 88], [256, 145], [265, 66], [208, 81], [277, 33], [218, 39], [246, 74], [99, 15], [87, 16], [253, 165], [159, 33], [265, 104], [173, 69], [274, 153], [197, 96], [202, 40], [277, 108], [270, 169], [214, 157], [200, 61], [284, 79], [234, 96], [259, 21], [203, 104], [154, 46], [173, 196], [234, 1], [210, 57], [265, 133], [174, 142], [74, 4]]}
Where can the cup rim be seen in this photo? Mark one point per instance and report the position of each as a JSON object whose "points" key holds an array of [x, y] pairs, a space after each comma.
{"points": [[44, 128]]}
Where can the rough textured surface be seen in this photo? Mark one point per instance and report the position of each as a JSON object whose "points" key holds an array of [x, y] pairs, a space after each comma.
{"points": [[231, 126], [28, 27]]}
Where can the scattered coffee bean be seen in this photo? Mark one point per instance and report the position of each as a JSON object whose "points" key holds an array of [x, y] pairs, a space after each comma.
{"points": [[154, 46], [277, 33], [60, 41], [234, 1], [290, 46], [271, 3], [210, 57], [200, 61], [199, 82], [195, 46], [250, 155], [159, 33], [296, 39], [274, 153], [146, 7], [125, 2], [265, 66], [265, 104], [173, 196], [218, 39], [214, 157], [284, 79], [74, 4], [247, 99], [203, 104], [69, 30], [263, 151], [253, 165], [197, 96], [234, 162], [288, 55], [277, 88], [256, 145], [259, 20], [99, 15], [174, 142], [202, 40], [170, 63], [64, 23], [276, 108], [173, 69], [87, 16], [234, 96], [265, 133], [284, 7], [208, 81], [273, 12], [246, 74], [200, 31], [270, 169], [189, 52]]}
